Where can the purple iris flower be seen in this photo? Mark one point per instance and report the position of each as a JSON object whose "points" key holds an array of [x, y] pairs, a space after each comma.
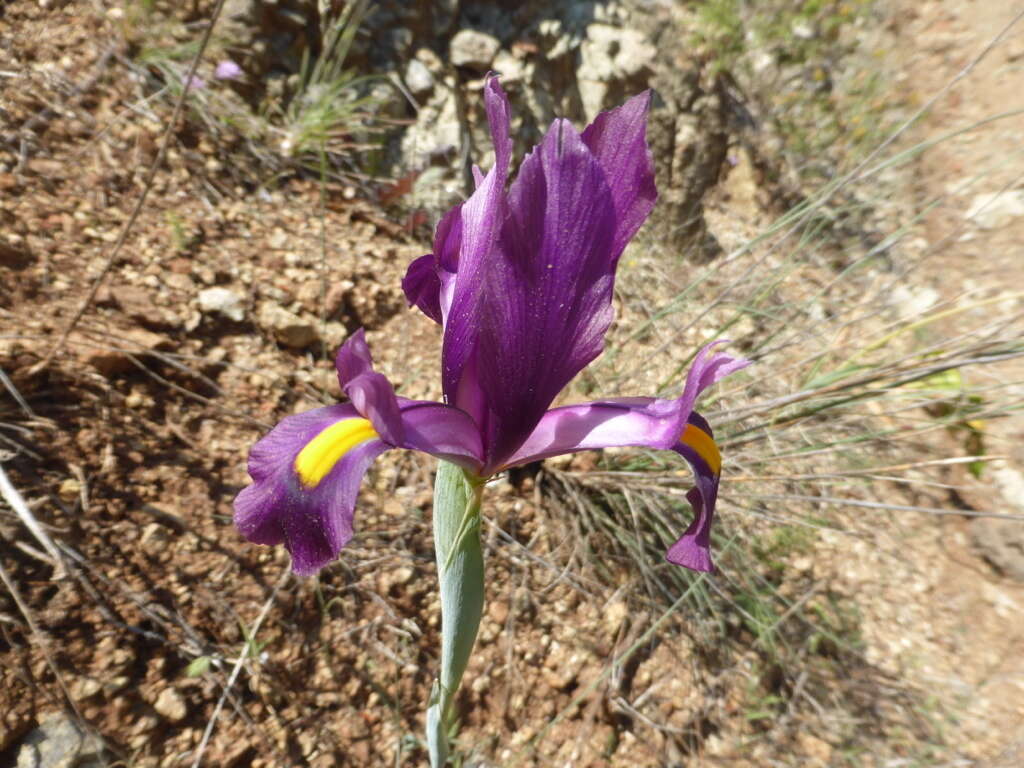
{"points": [[227, 70], [521, 283]]}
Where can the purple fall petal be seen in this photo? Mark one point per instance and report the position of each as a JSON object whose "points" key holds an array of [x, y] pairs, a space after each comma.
{"points": [[370, 392], [693, 549], [634, 421], [663, 424], [314, 520], [442, 431], [313, 523]]}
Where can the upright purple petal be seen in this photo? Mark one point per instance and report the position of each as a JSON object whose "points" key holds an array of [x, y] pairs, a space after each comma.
{"points": [[370, 392], [549, 292], [422, 286], [430, 279], [707, 368], [481, 218], [618, 139]]}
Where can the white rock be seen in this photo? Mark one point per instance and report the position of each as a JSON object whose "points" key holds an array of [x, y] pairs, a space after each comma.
{"points": [[418, 78], [470, 48], [171, 705], [612, 53], [607, 55], [56, 743], [1011, 484], [802, 30], [996, 209], [909, 303], [511, 69], [224, 302]]}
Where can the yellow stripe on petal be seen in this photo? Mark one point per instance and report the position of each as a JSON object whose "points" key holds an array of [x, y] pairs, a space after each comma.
{"points": [[704, 445], [327, 449]]}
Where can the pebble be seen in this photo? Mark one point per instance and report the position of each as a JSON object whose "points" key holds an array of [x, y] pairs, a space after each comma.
{"points": [[470, 48], [287, 327], [171, 705], [996, 210], [223, 301]]}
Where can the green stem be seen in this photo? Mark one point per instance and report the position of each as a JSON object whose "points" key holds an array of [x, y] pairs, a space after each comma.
{"points": [[460, 570]]}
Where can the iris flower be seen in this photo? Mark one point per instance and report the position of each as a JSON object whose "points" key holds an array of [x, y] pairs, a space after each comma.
{"points": [[521, 283]]}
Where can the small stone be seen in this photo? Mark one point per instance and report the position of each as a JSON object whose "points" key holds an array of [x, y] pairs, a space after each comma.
{"points": [[997, 209], [69, 489], [310, 294], [431, 61], [278, 240], [418, 78], [511, 69], [154, 539], [56, 743], [287, 327], [85, 687], [171, 705], [615, 616], [817, 750], [223, 302], [498, 611], [1001, 542], [473, 49]]}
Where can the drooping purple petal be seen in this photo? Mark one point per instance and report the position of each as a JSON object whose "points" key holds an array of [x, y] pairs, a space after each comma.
{"points": [[314, 523], [664, 424], [618, 139], [639, 423], [693, 549], [311, 511], [623, 422], [635, 422], [549, 291], [370, 392]]}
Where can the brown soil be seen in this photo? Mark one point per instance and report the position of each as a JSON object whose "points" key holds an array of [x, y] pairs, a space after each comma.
{"points": [[131, 445]]}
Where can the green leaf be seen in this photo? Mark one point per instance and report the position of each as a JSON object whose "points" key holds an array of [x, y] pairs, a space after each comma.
{"points": [[198, 666]]}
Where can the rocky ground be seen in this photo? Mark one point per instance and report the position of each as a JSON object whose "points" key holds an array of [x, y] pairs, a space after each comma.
{"points": [[156, 636]]}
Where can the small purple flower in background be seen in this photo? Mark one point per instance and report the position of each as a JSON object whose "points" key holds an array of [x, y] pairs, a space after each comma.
{"points": [[194, 83], [521, 283], [228, 70]]}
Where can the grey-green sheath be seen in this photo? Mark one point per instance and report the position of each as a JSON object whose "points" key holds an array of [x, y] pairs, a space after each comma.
{"points": [[460, 569]]}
